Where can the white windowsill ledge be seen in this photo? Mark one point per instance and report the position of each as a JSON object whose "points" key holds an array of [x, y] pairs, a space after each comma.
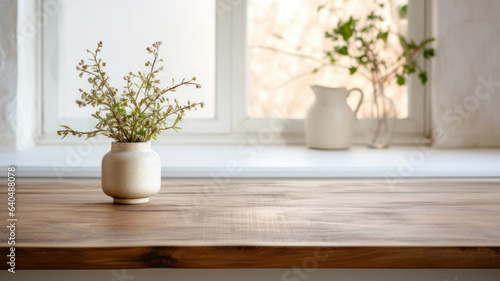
{"points": [[268, 162]]}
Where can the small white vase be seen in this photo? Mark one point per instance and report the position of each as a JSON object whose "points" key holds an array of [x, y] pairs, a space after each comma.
{"points": [[330, 121], [131, 172]]}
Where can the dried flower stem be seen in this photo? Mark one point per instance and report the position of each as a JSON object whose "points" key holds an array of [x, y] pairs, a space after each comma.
{"points": [[137, 115]]}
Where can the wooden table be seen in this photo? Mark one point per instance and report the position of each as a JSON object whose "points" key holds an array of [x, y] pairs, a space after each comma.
{"points": [[259, 224]]}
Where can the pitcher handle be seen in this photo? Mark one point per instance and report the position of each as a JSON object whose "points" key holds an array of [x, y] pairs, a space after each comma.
{"points": [[360, 100]]}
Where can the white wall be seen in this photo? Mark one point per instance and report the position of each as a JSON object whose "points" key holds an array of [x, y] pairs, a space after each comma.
{"points": [[8, 74], [18, 66], [465, 107]]}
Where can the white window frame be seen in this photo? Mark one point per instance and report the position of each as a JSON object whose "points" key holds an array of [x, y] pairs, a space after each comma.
{"points": [[231, 123], [52, 88]]}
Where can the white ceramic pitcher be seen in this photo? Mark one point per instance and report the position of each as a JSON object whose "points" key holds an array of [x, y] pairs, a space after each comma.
{"points": [[330, 121]]}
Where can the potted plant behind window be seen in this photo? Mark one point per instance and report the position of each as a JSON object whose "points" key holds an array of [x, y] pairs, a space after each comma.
{"points": [[364, 45], [131, 171]]}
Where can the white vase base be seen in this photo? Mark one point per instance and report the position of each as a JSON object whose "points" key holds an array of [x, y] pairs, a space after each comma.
{"points": [[125, 201]]}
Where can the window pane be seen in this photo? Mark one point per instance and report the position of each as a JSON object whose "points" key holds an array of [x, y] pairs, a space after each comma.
{"points": [[287, 42], [127, 27]]}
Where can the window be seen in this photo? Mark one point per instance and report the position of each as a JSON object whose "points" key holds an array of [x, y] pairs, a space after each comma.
{"points": [[285, 38], [286, 43], [237, 49], [133, 26], [186, 28]]}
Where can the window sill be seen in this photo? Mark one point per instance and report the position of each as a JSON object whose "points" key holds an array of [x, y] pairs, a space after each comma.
{"points": [[222, 162]]}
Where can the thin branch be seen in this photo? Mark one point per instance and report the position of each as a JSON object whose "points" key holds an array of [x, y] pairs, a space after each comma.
{"points": [[286, 52]]}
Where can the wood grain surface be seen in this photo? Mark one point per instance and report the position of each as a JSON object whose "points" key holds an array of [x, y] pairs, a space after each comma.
{"points": [[258, 224]]}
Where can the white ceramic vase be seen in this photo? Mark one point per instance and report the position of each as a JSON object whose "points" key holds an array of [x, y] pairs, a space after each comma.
{"points": [[131, 172], [330, 121]]}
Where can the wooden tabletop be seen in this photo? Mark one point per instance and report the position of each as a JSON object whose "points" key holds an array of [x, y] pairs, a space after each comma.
{"points": [[258, 224]]}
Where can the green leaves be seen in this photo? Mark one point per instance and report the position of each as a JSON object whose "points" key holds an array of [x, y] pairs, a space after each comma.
{"points": [[346, 29], [362, 45], [404, 44], [383, 35], [372, 16], [410, 50], [410, 67], [423, 77], [425, 42], [363, 59], [401, 80], [342, 50], [428, 53], [403, 11], [330, 56]]}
